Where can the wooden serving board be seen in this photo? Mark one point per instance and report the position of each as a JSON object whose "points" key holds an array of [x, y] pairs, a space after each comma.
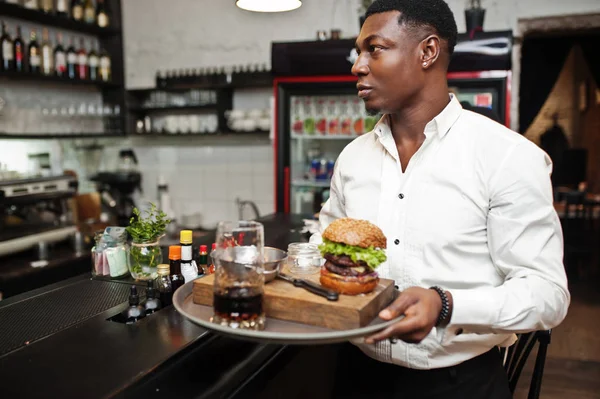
{"points": [[282, 300]]}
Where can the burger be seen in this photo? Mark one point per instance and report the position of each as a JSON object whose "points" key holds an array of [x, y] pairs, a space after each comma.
{"points": [[353, 249]]}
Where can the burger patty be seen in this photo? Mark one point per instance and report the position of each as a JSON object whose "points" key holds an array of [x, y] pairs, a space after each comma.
{"points": [[365, 278], [344, 260], [347, 271]]}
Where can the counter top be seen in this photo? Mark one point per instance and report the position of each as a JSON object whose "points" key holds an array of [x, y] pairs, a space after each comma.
{"points": [[18, 276], [57, 341]]}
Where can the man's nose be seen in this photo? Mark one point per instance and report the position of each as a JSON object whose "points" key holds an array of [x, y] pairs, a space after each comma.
{"points": [[360, 66]]}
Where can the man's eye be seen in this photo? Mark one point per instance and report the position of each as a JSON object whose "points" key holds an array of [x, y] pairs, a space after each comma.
{"points": [[374, 48]]}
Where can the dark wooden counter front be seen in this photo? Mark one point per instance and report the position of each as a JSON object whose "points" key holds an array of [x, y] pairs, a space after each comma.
{"points": [[57, 342]]}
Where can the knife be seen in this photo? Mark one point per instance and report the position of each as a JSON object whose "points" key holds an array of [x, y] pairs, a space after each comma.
{"points": [[310, 286]]}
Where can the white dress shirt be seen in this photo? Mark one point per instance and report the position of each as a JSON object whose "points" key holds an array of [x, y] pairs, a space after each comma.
{"points": [[472, 214]]}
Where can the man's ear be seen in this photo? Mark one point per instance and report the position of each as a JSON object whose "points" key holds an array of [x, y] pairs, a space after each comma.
{"points": [[430, 51]]}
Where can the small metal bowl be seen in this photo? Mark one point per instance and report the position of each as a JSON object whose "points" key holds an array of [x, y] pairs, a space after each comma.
{"points": [[274, 258]]}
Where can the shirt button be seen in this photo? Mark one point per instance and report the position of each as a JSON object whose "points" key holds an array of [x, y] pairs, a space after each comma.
{"points": [[396, 241], [459, 331], [401, 196]]}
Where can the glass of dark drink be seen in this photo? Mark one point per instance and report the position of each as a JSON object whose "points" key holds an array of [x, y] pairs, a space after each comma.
{"points": [[239, 279]]}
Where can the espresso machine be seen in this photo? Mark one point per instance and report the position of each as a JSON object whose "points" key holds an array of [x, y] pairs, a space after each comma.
{"points": [[36, 212], [117, 187]]}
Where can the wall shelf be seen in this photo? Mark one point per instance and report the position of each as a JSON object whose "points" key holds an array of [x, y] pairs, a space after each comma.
{"points": [[51, 136], [253, 134], [109, 39], [26, 76], [173, 108], [38, 16]]}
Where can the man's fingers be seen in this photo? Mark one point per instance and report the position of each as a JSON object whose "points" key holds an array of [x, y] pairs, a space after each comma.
{"points": [[398, 307], [404, 327]]}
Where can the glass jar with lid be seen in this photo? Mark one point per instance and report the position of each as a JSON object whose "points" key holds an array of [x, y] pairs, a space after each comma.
{"points": [[304, 258], [109, 254]]}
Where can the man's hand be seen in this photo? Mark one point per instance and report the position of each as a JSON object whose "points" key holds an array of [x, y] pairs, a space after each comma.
{"points": [[421, 308]]}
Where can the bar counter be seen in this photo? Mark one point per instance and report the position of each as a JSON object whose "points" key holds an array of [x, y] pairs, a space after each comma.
{"points": [[59, 341]]}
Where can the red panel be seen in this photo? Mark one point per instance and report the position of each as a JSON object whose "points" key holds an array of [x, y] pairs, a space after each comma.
{"points": [[276, 139], [508, 98], [286, 189]]}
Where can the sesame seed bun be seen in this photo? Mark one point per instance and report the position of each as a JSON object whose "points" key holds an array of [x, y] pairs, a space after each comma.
{"points": [[359, 233]]}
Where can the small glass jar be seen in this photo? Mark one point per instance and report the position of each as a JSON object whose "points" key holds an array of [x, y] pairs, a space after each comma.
{"points": [[144, 258], [304, 258], [109, 254]]}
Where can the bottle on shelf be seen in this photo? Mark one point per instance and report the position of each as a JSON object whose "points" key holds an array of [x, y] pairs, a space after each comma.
{"points": [[203, 261], [77, 10], [60, 57], [160, 80], [47, 6], [89, 12], [105, 66], [72, 60], [19, 51], [33, 52], [152, 303], [163, 285], [31, 4], [47, 54], [188, 266], [82, 62], [177, 279], [7, 55], [102, 14], [62, 8], [93, 62]]}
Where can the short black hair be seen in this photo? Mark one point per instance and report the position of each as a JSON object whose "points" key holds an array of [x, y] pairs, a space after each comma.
{"points": [[422, 13]]}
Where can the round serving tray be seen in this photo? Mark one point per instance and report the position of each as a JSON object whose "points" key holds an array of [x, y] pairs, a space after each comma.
{"points": [[276, 331]]}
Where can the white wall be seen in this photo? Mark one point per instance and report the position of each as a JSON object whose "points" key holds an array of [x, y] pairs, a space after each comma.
{"points": [[196, 33]]}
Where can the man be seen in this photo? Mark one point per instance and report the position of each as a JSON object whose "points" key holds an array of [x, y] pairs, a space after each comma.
{"points": [[554, 141], [466, 205]]}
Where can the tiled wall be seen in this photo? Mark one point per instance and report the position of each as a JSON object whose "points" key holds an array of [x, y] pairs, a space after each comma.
{"points": [[206, 180]]}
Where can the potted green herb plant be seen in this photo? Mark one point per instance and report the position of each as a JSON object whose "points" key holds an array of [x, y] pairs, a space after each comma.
{"points": [[474, 16], [146, 231]]}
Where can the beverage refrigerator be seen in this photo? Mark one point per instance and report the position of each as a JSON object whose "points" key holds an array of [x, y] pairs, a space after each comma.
{"points": [[317, 111]]}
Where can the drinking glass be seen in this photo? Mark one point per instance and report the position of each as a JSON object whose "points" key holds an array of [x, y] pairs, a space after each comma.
{"points": [[239, 279]]}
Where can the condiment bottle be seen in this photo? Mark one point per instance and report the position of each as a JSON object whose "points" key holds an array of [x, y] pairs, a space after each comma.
{"points": [[152, 303], [177, 279], [134, 312], [203, 261], [188, 267], [163, 285]]}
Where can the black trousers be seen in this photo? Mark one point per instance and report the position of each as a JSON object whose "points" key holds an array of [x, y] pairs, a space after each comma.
{"points": [[359, 376]]}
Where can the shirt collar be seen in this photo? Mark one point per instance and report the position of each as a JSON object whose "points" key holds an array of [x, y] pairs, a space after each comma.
{"points": [[441, 124]]}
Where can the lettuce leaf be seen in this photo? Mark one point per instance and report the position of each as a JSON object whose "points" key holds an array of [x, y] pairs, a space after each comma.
{"points": [[371, 256]]}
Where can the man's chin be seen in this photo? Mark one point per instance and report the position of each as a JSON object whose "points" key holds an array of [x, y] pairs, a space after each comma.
{"points": [[372, 111]]}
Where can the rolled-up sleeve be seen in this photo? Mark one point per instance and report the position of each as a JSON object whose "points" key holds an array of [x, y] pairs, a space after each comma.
{"points": [[526, 246]]}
